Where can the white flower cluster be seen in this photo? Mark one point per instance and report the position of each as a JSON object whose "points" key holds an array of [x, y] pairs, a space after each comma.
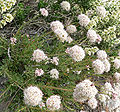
{"points": [[98, 66], [117, 63], [55, 60], [101, 11], [76, 52], [101, 54], [54, 73], [117, 76], [41, 105], [39, 55], [4, 6], [39, 72], [93, 103], [56, 25], [91, 51], [60, 32], [83, 20], [110, 97], [93, 36], [71, 29], [13, 40], [102, 97], [65, 5], [44, 12], [107, 65], [53, 102], [84, 91], [32, 96], [101, 65]]}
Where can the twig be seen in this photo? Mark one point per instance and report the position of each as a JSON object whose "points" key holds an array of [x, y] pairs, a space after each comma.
{"points": [[25, 23], [5, 91], [49, 87], [21, 109], [14, 81], [9, 53], [12, 99]]}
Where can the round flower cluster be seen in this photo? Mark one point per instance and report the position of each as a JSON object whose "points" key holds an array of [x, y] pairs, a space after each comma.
{"points": [[32, 96], [102, 97], [101, 65], [113, 104], [55, 60], [117, 76], [65, 5], [107, 65], [92, 35], [69, 39], [85, 90], [71, 28], [92, 103], [41, 105], [56, 25], [60, 32], [117, 63], [13, 40], [101, 54], [44, 12], [76, 52], [83, 20], [110, 97], [39, 55], [117, 88], [108, 89], [39, 72], [53, 102], [98, 66], [54, 73], [101, 11]]}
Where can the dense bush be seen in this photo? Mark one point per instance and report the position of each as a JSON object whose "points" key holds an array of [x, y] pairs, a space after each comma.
{"points": [[72, 65]]}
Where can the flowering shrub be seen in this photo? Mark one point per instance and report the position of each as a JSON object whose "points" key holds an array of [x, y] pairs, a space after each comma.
{"points": [[71, 64]]}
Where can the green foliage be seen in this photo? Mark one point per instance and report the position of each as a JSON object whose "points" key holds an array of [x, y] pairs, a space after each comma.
{"points": [[20, 69], [42, 4], [21, 13]]}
